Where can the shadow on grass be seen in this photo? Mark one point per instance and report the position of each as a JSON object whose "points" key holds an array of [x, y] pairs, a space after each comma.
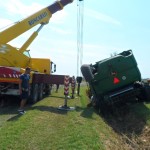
{"points": [[129, 119], [49, 109], [15, 118], [57, 97], [86, 112], [9, 112], [41, 108]]}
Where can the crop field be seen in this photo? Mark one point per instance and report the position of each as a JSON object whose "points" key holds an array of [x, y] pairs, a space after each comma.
{"points": [[45, 127]]}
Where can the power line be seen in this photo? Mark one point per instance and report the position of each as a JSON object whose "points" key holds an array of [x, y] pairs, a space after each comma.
{"points": [[80, 19]]}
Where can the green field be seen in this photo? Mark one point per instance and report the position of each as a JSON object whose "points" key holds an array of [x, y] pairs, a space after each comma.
{"points": [[44, 127]]}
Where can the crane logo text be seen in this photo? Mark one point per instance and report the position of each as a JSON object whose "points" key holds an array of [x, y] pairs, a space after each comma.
{"points": [[38, 18]]}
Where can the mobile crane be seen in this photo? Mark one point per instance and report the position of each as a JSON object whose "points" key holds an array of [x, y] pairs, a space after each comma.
{"points": [[13, 61]]}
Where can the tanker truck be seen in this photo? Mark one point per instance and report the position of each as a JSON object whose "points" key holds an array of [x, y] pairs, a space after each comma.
{"points": [[115, 80]]}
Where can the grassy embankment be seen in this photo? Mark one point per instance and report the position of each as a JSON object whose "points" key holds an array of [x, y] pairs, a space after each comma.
{"points": [[44, 127]]}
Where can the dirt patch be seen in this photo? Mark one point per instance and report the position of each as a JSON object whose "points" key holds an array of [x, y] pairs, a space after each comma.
{"points": [[131, 127]]}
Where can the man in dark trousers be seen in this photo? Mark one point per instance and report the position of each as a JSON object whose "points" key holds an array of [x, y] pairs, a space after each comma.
{"points": [[24, 88]]}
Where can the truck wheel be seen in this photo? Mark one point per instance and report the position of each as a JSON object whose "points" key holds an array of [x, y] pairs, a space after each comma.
{"points": [[40, 93], [99, 105], [102, 109], [87, 73], [48, 89], [147, 93], [35, 93]]}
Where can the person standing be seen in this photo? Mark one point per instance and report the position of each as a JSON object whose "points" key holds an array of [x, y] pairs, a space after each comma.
{"points": [[57, 87], [24, 88]]}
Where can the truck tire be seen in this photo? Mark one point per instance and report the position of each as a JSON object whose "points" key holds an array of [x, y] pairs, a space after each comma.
{"points": [[48, 89], [35, 93], [40, 93], [87, 72], [101, 106], [147, 93]]}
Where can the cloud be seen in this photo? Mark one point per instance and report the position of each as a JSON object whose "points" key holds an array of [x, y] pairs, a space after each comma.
{"points": [[95, 52], [16, 7], [16, 10], [60, 31], [59, 17], [102, 17], [5, 23]]}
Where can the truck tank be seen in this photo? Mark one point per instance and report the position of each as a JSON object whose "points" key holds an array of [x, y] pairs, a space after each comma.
{"points": [[115, 79]]}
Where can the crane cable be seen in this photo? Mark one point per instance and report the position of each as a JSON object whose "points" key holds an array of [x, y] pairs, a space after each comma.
{"points": [[80, 18]]}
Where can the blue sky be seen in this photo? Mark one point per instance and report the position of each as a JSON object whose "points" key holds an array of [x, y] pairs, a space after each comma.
{"points": [[109, 26]]}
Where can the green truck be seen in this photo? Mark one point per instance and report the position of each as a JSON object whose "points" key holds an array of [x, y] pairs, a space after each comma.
{"points": [[115, 80]]}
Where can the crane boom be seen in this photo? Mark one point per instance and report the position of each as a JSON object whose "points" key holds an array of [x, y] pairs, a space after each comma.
{"points": [[40, 17]]}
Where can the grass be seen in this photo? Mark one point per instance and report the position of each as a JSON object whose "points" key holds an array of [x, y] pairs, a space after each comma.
{"points": [[44, 127]]}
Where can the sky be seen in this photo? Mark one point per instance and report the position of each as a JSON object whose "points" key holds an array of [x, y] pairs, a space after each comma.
{"points": [[109, 26]]}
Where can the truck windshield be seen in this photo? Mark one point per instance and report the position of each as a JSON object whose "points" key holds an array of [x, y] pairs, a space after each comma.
{"points": [[27, 53], [53, 67]]}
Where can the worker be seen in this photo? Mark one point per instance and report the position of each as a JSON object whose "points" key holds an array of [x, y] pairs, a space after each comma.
{"points": [[57, 87], [24, 88]]}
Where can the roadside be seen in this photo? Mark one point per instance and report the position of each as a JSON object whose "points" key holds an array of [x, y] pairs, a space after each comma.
{"points": [[44, 126]]}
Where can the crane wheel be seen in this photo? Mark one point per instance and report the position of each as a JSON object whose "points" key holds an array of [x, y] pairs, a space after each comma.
{"points": [[35, 93], [40, 93]]}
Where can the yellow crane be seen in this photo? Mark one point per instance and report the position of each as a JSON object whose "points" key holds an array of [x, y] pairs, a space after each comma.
{"points": [[13, 60], [11, 56]]}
